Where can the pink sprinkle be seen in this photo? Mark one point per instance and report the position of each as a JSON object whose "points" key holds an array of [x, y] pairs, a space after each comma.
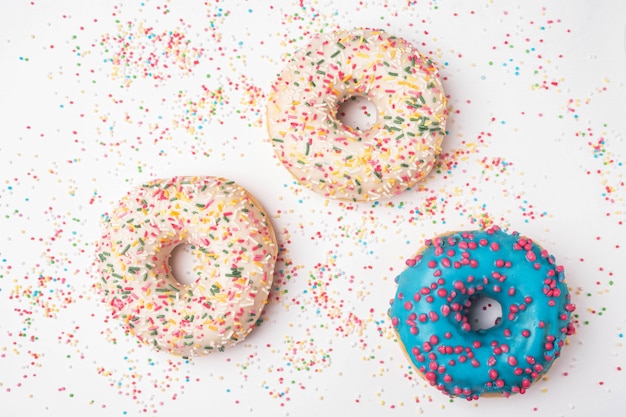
{"points": [[445, 310]]}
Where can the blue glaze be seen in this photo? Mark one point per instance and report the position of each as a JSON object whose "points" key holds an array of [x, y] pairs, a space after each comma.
{"points": [[429, 312]]}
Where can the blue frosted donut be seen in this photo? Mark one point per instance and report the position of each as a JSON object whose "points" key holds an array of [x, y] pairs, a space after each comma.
{"points": [[429, 312]]}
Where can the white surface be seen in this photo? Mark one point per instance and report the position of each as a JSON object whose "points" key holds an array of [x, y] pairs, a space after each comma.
{"points": [[96, 98]]}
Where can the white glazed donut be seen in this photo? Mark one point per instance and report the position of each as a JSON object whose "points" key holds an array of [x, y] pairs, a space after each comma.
{"points": [[233, 240], [341, 162]]}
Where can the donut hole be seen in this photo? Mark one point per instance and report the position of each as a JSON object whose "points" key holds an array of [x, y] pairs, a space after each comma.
{"points": [[483, 313], [181, 262], [357, 112]]}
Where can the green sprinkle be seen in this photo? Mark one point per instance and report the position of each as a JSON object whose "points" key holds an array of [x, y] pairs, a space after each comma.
{"points": [[413, 105]]}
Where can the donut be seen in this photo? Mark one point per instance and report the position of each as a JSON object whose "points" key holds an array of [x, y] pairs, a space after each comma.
{"points": [[430, 312], [337, 160], [234, 245]]}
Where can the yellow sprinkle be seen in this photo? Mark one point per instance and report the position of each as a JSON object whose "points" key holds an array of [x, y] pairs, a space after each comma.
{"points": [[413, 86]]}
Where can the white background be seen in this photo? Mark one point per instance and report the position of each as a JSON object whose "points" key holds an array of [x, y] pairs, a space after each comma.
{"points": [[97, 97]]}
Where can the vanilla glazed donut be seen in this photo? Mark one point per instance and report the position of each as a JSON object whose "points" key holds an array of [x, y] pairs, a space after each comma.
{"points": [[233, 241], [342, 162], [435, 292]]}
